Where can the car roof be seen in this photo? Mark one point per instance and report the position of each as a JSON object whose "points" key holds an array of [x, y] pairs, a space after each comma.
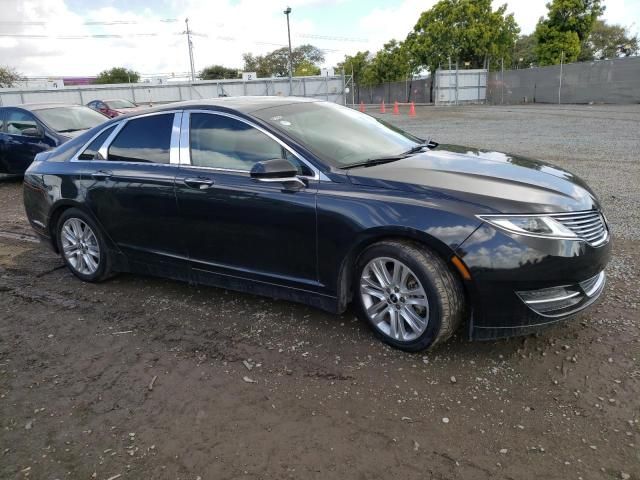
{"points": [[241, 104], [42, 106]]}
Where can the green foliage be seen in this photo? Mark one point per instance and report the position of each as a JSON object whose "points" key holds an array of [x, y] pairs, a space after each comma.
{"points": [[306, 68], [524, 52], [608, 41], [118, 75], [9, 77], [388, 65], [555, 45], [565, 29], [355, 64], [465, 31], [276, 63], [218, 72]]}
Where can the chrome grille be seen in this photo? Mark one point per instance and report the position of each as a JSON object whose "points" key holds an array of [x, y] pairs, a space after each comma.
{"points": [[588, 226]]}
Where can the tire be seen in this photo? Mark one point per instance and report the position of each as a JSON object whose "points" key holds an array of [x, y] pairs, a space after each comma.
{"points": [[428, 300], [91, 251]]}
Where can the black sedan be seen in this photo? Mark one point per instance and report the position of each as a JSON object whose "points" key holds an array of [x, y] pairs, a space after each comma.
{"points": [[26, 130], [317, 203]]}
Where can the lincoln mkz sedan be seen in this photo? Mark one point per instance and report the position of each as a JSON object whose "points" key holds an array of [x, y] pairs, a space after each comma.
{"points": [[317, 203]]}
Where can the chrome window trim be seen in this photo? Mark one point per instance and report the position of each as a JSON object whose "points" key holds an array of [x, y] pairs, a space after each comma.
{"points": [[104, 149], [185, 148], [86, 145], [174, 147]]}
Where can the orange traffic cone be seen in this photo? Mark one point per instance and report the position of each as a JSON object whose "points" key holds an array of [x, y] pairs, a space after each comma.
{"points": [[396, 111], [382, 109], [412, 110], [362, 109]]}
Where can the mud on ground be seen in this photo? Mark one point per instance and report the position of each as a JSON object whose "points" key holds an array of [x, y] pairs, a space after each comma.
{"points": [[150, 378]]}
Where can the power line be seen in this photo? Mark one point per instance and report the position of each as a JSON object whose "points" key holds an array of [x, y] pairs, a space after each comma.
{"points": [[329, 37], [90, 22]]}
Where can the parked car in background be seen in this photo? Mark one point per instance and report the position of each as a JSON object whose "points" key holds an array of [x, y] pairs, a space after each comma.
{"points": [[318, 203], [113, 108], [26, 130]]}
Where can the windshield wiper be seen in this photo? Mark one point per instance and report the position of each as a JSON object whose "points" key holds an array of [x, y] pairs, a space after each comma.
{"points": [[68, 130], [374, 161], [430, 144], [392, 158]]}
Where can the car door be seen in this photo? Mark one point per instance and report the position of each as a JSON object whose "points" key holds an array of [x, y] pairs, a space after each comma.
{"points": [[236, 225], [22, 138], [129, 185]]}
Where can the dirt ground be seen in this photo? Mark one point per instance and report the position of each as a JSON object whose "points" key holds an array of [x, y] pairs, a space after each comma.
{"points": [[144, 378]]}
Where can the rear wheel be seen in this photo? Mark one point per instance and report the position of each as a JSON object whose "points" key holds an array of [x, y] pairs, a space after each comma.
{"points": [[408, 295], [82, 246]]}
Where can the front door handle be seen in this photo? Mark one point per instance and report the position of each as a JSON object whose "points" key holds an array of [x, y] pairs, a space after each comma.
{"points": [[101, 175], [200, 183]]}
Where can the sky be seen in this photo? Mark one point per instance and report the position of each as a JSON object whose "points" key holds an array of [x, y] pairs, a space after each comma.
{"points": [[151, 41]]}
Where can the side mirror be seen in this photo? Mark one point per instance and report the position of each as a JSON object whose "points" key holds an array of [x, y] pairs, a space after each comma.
{"points": [[277, 170], [31, 132]]}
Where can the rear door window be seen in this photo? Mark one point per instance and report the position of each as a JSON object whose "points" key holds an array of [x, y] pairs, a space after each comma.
{"points": [[144, 140], [91, 152]]}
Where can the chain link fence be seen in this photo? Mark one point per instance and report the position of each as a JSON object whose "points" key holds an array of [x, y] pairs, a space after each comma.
{"points": [[603, 81], [416, 90]]}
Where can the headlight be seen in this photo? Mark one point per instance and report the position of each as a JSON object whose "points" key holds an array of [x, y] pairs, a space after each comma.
{"points": [[531, 225]]}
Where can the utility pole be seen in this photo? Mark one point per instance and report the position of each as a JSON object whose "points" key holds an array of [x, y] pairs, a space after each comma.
{"points": [[287, 12], [190, 44]]}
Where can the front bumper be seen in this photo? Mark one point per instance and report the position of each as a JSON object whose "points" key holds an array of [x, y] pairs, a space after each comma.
{"points": [[521, 283]]}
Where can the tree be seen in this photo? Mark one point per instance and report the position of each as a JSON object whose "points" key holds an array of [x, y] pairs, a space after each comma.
{"points": [[524, 52], [608, 41], [276, 63], [9, 77], [389, 64], [465, 31], [566, 29], [306, 68], [355, 64], [218, 72], [118, 75]]}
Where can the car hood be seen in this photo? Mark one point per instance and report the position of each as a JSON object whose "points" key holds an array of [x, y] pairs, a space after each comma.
{"points": [[493, 181]]}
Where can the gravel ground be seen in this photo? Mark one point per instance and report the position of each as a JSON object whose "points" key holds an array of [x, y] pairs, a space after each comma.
{"points": [[147, 378]]}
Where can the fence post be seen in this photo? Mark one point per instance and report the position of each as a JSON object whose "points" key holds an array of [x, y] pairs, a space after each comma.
{"points": [[457, 82], [560, 86], [502, 82], [81, 99], [304, 87], [326, 86]]}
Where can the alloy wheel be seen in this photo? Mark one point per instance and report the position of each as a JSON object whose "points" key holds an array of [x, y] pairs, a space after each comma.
{"points": [[394, 299], [80, 246]]}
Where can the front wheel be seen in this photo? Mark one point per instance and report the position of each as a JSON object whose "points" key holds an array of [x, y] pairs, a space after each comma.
{"points": [[82, 246], [408, 295]]}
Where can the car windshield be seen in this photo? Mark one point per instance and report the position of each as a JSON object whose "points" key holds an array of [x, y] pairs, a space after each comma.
{"points": [[70, 119], [338, 135], [120, 104]]}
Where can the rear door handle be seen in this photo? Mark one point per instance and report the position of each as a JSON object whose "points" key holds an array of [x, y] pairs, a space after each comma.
{"points": [[200, 183], [101, 175]]}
